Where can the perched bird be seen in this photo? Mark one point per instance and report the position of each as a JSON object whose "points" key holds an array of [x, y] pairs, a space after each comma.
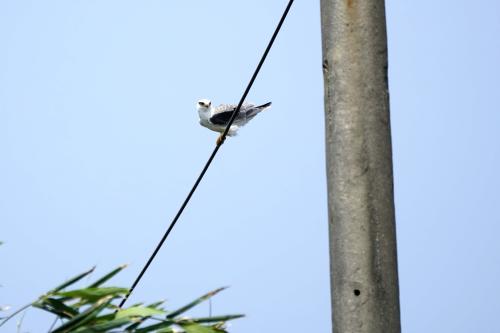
{"points": [[217, 118]]}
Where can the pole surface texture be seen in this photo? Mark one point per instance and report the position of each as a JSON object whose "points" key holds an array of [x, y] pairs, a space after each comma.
{"points": [[364, 278]]}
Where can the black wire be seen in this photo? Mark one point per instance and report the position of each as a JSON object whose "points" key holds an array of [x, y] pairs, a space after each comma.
{"points": [[210, 159]]}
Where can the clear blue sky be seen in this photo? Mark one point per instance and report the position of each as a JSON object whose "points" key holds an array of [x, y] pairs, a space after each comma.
{"points": [[100, 142]]}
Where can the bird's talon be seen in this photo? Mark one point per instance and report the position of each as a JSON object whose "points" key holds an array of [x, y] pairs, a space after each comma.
{"points": [[219, 140]]}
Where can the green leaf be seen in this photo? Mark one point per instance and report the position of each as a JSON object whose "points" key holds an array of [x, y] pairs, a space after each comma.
{"points": [[105, 327], [195, 302], [107, 276], [216, 318], [56, 307], [84, 317], [137, 304], [71, 281], [156, 304], [166, 330], [93, 294], [155, 327], [131, 328], [195, 328], [139, 311]]}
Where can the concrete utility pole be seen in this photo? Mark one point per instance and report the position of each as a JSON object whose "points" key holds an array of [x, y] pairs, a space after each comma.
{"points": [[364, 278]]}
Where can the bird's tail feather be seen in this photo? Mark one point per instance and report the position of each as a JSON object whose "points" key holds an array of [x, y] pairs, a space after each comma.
{"points": [[256, 109], [264, 106]]}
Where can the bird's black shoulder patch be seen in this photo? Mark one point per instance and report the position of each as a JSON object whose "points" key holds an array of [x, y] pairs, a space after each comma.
{"points": [[222, 118]]}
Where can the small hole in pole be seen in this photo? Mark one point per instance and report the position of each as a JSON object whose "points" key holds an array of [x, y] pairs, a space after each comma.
{"points": [[357, 292]]}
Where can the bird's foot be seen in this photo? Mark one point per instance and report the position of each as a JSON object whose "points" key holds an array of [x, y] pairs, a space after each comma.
{"points": [[220, 140]]}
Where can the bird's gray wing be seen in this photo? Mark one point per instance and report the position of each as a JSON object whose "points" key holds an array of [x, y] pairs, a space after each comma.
{"points": [[222, 114]]}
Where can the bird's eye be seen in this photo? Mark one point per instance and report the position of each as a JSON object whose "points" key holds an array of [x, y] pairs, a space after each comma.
{"points": [[201, 103]]}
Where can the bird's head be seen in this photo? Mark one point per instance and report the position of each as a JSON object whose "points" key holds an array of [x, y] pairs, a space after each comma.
{"points": [[203, 105]]}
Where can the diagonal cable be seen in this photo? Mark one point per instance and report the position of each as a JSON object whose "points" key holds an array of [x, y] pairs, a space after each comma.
{"points": [[210, 159]]}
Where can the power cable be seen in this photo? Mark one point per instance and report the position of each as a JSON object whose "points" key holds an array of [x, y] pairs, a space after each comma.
{"points": [[210, 159]]}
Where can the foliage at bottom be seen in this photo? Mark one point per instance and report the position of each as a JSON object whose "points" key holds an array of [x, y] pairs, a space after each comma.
{"points": [[92, 309]]}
